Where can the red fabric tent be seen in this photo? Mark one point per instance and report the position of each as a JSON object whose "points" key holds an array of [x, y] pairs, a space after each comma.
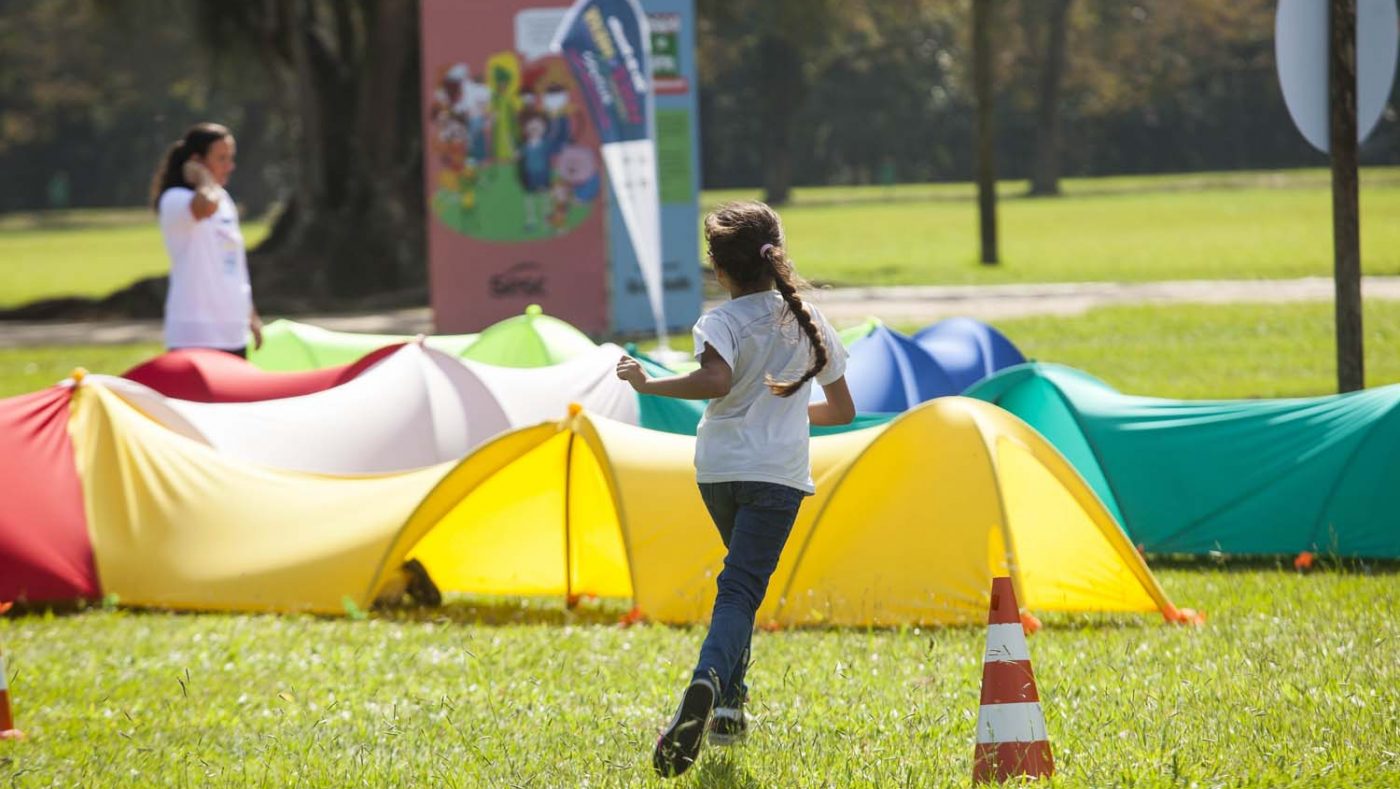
{"points": [[208, 376], [45, 551]]}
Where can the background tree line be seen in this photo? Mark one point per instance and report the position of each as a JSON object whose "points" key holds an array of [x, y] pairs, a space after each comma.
{"points": [[870, 89], [323, 96]]}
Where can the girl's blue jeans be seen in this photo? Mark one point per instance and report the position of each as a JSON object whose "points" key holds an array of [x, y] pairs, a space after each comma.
{"points": [[754, 520]]}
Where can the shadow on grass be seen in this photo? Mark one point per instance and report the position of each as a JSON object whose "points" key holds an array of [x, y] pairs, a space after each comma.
{"points": [[1321, 564], [462, 611], [593, 612], [512, 611]]}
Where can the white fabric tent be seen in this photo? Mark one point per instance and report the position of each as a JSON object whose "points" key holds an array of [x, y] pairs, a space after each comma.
{"points": [[415, 408]]}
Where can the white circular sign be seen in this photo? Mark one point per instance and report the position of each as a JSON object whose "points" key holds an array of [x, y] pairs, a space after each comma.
{"points": [[1300, 47]]}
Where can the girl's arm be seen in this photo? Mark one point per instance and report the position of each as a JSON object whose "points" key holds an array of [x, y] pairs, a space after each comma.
{"points": [[838, 409], [711, 380]]}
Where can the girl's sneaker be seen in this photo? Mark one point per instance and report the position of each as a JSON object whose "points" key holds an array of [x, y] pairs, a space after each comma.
{"points": [[679, 746], [728, 726]]}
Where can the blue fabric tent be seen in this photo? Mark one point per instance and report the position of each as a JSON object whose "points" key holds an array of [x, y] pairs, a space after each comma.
{"points": [[888, 372], [968, 350]]}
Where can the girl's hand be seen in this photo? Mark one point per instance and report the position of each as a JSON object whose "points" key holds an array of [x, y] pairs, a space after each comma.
{"points": [[630, 370]]}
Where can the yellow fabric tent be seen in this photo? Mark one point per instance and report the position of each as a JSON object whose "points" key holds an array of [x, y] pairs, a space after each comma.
{"points": [[910, 523], [175, 524]]}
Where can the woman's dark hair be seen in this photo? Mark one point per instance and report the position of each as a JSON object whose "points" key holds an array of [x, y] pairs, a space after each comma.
{"points": [[746, 243], [171, 170]]}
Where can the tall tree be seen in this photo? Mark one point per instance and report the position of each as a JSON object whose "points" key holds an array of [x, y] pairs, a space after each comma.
{"points": [[986, 141], [1045, 178], [784, 89], [780, 45], [346, 71]]}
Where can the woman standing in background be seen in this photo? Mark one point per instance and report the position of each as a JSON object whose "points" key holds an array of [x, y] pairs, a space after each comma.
{"points": [[210, 302]]}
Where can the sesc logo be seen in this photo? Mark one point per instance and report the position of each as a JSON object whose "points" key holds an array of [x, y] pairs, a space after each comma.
{"points": [[520, 279], [677, 282]]}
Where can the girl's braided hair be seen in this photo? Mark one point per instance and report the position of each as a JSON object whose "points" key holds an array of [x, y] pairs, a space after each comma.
{"points": [[746, 243]]}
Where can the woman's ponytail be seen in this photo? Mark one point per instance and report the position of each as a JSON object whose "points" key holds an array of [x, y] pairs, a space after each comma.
{"points": [[170, 172]]}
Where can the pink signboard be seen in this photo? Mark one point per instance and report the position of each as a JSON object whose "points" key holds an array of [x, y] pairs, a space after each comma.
{"points": [[514, 183]]}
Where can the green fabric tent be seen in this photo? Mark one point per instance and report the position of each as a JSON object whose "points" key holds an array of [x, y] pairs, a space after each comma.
{"points": [[859, 331], [290, 346], [529, 340], [1235, 476]]}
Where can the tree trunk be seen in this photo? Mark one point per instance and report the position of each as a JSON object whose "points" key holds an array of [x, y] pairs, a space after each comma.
{"points": [[986, 148], [354, 225], [782, 91], [1045, 178]]}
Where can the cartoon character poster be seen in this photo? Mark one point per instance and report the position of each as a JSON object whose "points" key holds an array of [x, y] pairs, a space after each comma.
{"points": [[518, 207], [514, 182], [508, 138]]}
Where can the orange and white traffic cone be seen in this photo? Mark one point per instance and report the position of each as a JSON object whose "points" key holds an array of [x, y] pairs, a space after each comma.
{"points": [[7, 721], [1011, 738]]}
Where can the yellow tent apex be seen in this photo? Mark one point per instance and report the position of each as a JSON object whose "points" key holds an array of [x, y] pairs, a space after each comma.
{"points": [[575, 409], [902, 529], [78, 374], [534, 309]]}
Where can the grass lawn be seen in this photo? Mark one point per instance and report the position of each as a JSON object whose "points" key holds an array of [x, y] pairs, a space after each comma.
{"points": [[1198, 225], [1142, 228], [83, 253], [1194, 351], [1199, 351], [1292, 682], [1184, 351], [29, 369]]}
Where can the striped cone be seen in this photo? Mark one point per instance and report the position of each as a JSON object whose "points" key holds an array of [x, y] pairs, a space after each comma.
{"points": [[1011, 738], [7, 721]]}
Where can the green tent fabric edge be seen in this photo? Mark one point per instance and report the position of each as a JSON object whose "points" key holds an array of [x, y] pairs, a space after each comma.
{"points": [[292, 346], [1040, 404], [1238, 477], [532, 339]]}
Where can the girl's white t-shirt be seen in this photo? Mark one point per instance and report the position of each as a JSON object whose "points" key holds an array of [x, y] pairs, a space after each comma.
{"points": [[751, 434], [210, 298]]}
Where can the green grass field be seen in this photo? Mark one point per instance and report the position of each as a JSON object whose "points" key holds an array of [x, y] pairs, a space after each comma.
{"points": [[1142, 228], [29, 369], [1131, 228], [1195, 351], [83, 253], [1292, 682], [1185, 351]]}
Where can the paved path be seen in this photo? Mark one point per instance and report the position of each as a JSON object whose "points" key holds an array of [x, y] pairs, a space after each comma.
{"points": [[895, 304], [923, 304]]}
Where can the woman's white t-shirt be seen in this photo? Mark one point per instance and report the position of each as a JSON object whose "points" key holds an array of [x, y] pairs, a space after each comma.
{"points": [[752, 434], [210, 298]]}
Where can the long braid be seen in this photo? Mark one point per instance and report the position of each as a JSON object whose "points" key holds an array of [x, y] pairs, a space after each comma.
{"points": [[783, 279], [746, 243]]}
